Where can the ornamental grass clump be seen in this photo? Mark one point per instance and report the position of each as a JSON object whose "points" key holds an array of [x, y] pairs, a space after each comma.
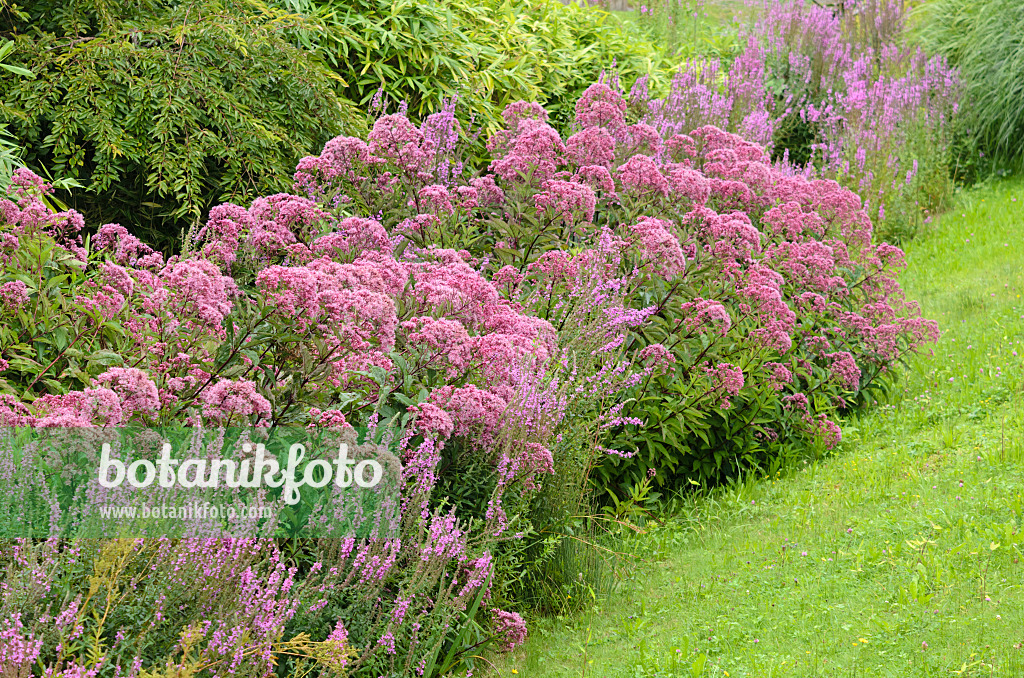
{"points": [[982, 40]]}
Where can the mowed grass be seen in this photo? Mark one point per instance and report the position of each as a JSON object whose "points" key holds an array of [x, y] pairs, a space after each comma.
{"points": [[901, 555]]}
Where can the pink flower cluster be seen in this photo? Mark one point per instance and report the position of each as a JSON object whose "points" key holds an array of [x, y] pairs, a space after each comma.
{"points": [[510, 626], [728, 379], [567, 201], [659, 245], [533, 154]]}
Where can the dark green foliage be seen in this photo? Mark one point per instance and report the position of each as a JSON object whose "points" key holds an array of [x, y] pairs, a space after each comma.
{"points": [[794, 139], [163, 109]]}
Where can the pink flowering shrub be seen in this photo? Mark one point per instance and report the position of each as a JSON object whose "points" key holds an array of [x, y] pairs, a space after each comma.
{"points": [[754, 283], [283, 313], [218, 335]]}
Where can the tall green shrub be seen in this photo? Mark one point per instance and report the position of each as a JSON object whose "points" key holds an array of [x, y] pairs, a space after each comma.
{"points": [[163, 109], [488, 53]]}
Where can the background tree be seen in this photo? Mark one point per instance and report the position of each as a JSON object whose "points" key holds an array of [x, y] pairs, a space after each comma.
{"points": [[163, 109]]}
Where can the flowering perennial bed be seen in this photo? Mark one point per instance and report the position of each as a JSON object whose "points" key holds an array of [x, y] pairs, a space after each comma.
{"points": [[844, 94], [590, 312]]}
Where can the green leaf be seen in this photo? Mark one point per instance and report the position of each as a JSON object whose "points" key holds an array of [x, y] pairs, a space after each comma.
{"points": [[105, 358]]}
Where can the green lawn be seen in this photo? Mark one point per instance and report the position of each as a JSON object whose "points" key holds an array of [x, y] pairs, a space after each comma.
{"points": [[899, 556]]}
